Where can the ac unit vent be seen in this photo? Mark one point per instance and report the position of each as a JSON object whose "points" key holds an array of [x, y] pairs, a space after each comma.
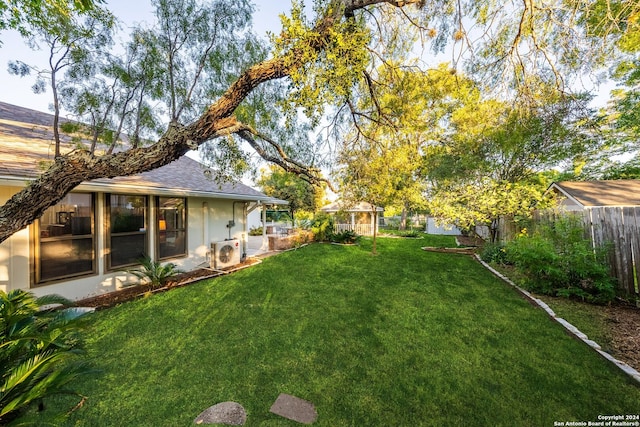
{"points": [[225, 254]]}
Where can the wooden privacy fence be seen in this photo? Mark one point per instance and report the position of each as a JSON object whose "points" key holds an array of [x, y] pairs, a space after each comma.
{"points": [[620, 228], [617, 228]]}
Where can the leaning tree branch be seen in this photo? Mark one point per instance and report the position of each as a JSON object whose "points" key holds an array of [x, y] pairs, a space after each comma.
{"points": [[69, 170], [285, 162]]}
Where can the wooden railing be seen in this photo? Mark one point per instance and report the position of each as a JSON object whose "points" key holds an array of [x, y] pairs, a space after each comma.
{"points": [[361, 229]]}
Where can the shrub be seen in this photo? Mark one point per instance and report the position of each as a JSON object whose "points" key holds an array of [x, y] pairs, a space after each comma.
{"points": [[39, 350], [494, 253], [557, 260], [410, 233], [322, 227], [155, 272], [346, 236], [255, 231]]}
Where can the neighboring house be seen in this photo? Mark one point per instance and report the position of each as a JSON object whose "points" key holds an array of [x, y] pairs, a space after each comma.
{"points": [[610, 211], [83, 245], [580, 195], [358, 217]]}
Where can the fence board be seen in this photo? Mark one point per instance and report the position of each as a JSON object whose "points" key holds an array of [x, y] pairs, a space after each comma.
{"points": [[632, 231], [616, 228]]}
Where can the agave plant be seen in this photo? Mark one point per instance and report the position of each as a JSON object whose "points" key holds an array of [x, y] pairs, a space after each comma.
{"points": [[39, 349], [154, 272]]}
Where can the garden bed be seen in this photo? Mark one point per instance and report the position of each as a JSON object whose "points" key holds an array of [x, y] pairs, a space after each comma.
{"points": [[112, 299]]}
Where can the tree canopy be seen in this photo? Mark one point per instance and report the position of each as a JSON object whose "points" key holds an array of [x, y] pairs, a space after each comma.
{"points": [[324, 64], [301, 195]]}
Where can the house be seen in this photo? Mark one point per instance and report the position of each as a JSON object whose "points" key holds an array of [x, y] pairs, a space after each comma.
{"points": [[580, 195], [358, 217], [83, 245]]}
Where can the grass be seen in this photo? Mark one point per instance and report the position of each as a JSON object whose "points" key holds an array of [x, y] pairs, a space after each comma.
{"points": [[588, 318], [404, 338]]}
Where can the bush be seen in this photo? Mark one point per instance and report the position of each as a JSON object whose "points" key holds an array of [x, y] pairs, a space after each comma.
{"points": [[322, 227], [346, 237], [494, 253], [557, 260], [39, 350], [154, 272], [255, 231]]}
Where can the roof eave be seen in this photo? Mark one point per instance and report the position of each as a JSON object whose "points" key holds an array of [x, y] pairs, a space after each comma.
{"points": [[17, 181], [567, 195]]}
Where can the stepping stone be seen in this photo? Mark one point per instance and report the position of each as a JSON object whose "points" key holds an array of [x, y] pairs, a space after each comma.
{"points": [[294, 408], [229, 413]]}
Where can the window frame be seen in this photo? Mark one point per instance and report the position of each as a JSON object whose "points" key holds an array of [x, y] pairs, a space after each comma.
{"points": [[38, 238]]}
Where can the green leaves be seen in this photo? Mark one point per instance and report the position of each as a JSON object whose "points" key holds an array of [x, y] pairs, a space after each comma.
{"points": [[39, 349], [326, 58], [154, 272], [300, 194]]}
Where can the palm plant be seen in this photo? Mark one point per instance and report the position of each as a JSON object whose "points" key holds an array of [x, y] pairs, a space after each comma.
{"points": [[154, 272], [39, 349]]}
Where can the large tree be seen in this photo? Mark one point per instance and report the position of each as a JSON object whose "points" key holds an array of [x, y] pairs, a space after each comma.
{"points": [[324, 58], [301, 195], [495, 170], [25, 15]]}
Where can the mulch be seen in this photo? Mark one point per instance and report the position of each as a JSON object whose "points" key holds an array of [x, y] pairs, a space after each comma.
{"points": [[130, 293], [624, 322]]}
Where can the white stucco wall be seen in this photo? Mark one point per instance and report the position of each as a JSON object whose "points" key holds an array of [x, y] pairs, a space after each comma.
{"points": [[206, 222]]}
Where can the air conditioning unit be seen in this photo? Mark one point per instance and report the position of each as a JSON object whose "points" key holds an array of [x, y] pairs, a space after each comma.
{"points": [[225, 254]]}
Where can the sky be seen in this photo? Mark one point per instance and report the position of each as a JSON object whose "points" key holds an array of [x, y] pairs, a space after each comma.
{"points": [[17, 90]]}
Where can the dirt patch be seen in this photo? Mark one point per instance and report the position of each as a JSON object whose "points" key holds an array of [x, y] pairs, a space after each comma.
{"points": [[112, 299], [624, 322]]}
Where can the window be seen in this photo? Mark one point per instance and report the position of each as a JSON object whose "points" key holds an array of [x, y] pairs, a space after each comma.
{"points": [[127, 221], [171, 227], [65, 241]]}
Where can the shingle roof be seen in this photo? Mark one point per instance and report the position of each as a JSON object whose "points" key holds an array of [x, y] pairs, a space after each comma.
{"points": [[184, 175], [624, 192], [26, 143]]}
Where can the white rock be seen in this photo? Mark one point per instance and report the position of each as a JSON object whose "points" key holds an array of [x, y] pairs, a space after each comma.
{"points": [[230, 413]]}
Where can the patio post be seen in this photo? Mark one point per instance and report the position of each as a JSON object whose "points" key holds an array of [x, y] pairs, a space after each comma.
{"points": [[265, 240]]}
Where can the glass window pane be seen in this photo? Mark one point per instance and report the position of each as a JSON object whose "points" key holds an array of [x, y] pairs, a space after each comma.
{"points": [[66, 241], [171, 227], [128, 226], [61, 258], [127, 249], [128, 213]]}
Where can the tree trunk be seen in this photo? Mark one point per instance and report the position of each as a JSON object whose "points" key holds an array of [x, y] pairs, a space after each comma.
{"points": [[374, 250], [403, 218]]}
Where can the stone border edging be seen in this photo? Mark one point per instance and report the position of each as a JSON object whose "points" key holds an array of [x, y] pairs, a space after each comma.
{"points": [[568, 326]]}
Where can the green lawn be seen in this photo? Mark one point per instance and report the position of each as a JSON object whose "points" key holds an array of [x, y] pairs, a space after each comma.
{"points": [[404, 338]]}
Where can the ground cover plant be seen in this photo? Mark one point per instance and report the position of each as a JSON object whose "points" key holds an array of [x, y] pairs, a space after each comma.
{"points": [[403, 338]]}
